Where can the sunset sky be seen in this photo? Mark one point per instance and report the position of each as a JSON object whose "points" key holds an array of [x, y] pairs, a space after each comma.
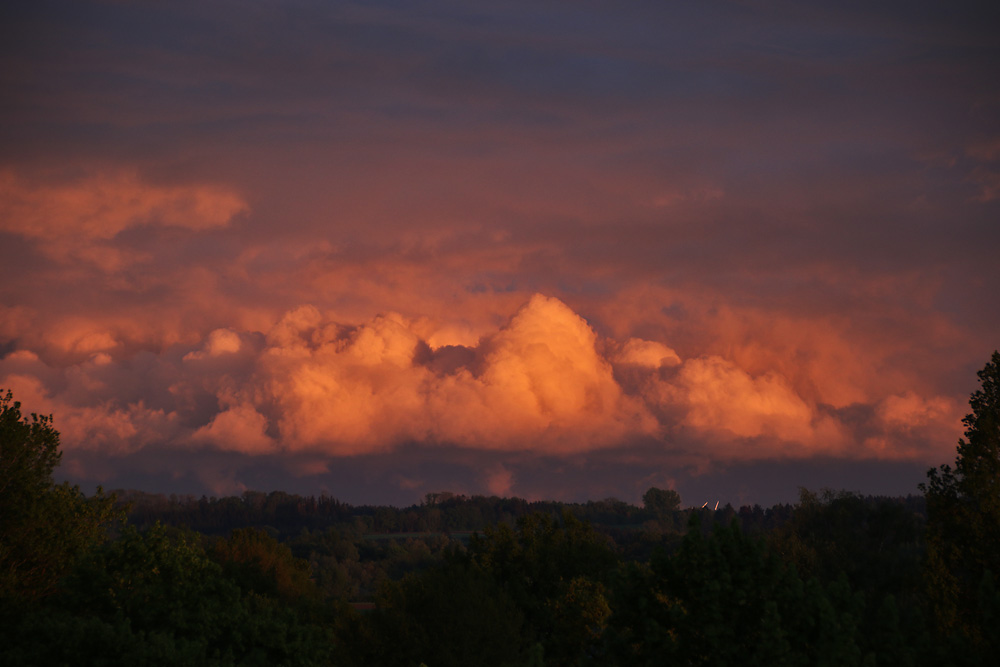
{"points": [[562, 250]]}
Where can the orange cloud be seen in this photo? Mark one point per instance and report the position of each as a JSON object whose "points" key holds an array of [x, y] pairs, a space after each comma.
{"points": [[538, 383], [542, 385], [104, 427], [81, 336], [544, 382], [544, 368], [219, 342], [240, 428], [912, 411], [342, 390], [76, 220], [748, 417], [499, 481], [907, 422], [646, 354]]}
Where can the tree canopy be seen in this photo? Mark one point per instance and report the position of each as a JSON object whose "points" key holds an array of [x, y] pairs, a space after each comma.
{"points": [[44, 526], [963, 505], [661, 502]]}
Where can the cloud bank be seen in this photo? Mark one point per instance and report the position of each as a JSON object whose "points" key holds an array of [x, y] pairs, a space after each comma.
{"points": [[544, 383]]}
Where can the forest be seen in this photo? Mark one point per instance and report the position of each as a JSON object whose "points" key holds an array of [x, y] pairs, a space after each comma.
{"points": [[133, 578]]}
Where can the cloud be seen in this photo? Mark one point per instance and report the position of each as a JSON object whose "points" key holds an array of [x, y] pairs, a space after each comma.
{"points": [[79, 219], [987, 150], [106, 427], [537, 383], [646, 354], [542, 373], [500, 481], [908, 426], [312, 390], [540, 385], [911, 411], [988, 181], [341, 389], [780, 247], [719, 395], [239, 428], [220, 342]]}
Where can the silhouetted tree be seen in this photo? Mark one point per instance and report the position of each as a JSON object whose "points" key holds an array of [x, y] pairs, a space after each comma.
{"points": [[44, 527], [661, 502], [876, 542], [963, 531]]}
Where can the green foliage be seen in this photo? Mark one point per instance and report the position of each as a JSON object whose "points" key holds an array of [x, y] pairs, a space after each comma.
{"points": [[877, 543], [259, 563], [156, 598], [725, 600], [157, 579], [580, 616], [29, 452], [557, 574], [451, 615], [963, 532], [44, 527]]}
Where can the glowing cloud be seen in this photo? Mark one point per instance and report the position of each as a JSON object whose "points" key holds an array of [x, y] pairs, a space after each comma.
{"points": [[541, 385], [543, 367], [314, 389], [646, 354], [220, 342], [341, 389], [240, 428], [76, 220]]}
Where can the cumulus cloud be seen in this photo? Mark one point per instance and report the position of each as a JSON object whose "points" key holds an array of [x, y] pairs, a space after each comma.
{"points": [[720, 395], [646, 354], [105, 426], [219, 342], [312, 389], [748, 417], [341, 389], [239, 428], [541, 383], [907, 425]]}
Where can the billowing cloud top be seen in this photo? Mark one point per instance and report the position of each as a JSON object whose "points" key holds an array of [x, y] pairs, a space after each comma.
{"points": [[461, 239], [543, 383]]}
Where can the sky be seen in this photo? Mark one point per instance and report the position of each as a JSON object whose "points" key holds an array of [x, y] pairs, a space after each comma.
{"points": [[557, 250]]}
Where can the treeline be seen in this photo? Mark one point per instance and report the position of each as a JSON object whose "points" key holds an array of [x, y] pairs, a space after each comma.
{"points": [[279, 579], [351, 550], [443, 512], [837, 582], [635, 530]]}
